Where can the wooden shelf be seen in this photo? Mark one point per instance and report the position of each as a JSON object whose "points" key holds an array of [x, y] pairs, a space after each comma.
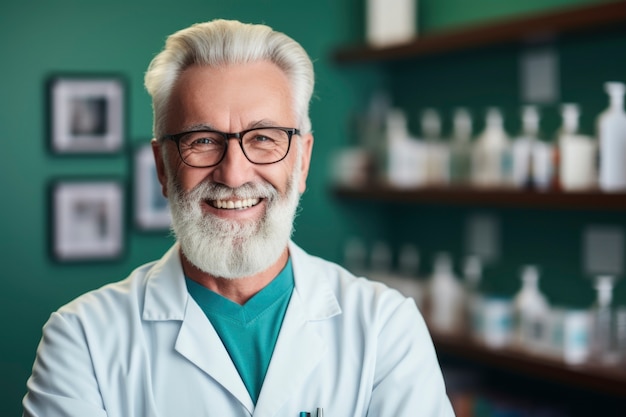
{"points": [[604, 379], [588, 200], [528, 28]]}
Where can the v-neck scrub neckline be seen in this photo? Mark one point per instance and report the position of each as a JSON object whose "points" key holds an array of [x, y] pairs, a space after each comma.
{"points": [[249, 332]]}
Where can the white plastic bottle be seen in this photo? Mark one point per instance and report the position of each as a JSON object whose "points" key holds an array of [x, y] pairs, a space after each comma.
{"points": [[611, 129], [531, 311], [577, 153], [438, 151], [604, 349], [460, 147], [522, 148], [446, 295], [406, 163], [490, 153]]}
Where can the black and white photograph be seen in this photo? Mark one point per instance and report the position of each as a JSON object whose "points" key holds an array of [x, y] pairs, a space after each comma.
{"points": [[151, 207], [87, 220], [86, 115]]}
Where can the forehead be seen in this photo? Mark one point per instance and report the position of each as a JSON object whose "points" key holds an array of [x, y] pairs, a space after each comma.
{"points": [[231, 97]]}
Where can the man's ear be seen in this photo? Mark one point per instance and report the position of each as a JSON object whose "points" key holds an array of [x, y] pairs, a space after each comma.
{"points": [[160, 165], [307, 148]]}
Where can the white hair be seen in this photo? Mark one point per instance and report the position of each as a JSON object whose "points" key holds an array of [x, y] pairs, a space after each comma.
{"points": [[225, 42]]}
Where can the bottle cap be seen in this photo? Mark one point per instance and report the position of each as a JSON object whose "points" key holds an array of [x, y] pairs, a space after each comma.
{"points": [[472, 269], [570, 113], [431, 123], [462, 123], [530, 120], [604, 287], [494, 117], [530, 274], [615, 88]]}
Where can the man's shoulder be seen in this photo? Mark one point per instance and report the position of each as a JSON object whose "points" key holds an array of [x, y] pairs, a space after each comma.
{"points": [[111, 298], [347, 286]]}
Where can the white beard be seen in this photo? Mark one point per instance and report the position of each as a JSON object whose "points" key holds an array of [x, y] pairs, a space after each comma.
{"points": [[229, 248]]}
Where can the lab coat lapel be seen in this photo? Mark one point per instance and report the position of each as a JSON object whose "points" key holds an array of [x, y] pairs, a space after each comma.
{"points": [[298, 351], [167, 299], [200, 344], [299, 348]]}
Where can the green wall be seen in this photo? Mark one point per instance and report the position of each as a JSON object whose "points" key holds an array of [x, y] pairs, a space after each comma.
{"points": [[41, 38]]}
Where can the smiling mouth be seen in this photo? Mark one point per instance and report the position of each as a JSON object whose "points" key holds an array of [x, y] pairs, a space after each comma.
{"points": [[234, 204]]}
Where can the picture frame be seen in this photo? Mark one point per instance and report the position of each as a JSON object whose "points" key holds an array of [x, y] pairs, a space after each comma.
{"points": [[87, 220], [86, 114], [152, 210]]}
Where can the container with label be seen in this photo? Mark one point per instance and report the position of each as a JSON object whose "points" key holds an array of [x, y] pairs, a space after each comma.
{"points": [[612, 140], [576, 337], [497, 322]]}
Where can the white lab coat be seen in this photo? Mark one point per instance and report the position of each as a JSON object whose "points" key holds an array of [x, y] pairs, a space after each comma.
{"points": [[142, 347]]}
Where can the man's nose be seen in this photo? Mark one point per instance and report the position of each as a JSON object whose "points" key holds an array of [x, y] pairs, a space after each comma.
{"points": [[235, 169]]}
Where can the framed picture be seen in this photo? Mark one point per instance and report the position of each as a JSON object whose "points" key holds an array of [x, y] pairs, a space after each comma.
{"points": [[152, 211], [87, 220], [86, 114]]}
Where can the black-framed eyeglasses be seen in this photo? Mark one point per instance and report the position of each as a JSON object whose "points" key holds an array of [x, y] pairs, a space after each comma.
{"points": [[207, 148]]}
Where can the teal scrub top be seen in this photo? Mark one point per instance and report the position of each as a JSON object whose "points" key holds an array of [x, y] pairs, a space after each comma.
{"points": [[249, 332]]}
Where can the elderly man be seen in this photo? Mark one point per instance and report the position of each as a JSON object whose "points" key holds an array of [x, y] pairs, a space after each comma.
{"points": [[235, 319]]}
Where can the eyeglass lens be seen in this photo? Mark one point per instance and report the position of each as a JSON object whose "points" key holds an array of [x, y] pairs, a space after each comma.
{"points": [[261, 146]]}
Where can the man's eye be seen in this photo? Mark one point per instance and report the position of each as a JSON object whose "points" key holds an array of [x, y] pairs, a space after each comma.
{"points": [[202, 141], [263, 138]]}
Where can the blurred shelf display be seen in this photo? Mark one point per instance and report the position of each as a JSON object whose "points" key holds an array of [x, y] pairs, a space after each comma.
{"points": [[527, 28], [605, 379], [584, 200], [392, 164]]}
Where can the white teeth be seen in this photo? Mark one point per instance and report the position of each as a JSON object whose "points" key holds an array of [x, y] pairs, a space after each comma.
{"points": [[237, 204]]}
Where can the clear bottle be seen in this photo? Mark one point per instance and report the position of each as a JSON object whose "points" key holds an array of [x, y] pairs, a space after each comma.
{"points": [[491, 152], [460, 147], [604, 346], [409, 261], [438, 173], [620, 332], [522, 149], [380, 267], [611, 128], [446, 295], [542, 159], [406, 280], [472, 271], [531, 311], [355, 256]]}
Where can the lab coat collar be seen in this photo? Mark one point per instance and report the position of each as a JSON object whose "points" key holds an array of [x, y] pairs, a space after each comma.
{"points": [[299, 347], [166, 294], [167, 297], [312, 285]]}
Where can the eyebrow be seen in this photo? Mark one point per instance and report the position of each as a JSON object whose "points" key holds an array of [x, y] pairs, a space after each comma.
{"points": [[252, 125]]}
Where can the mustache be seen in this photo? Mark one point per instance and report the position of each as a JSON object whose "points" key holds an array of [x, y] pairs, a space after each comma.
{"points": [[207, 190]]}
